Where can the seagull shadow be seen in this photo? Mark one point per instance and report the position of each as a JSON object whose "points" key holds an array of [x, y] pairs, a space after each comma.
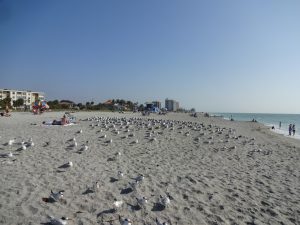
{"points": [[110, 159], [134, 207], [107, 211], [88, 191], [113, 180], [126, 191], [64, 166], [48, 200], [158, 207]]}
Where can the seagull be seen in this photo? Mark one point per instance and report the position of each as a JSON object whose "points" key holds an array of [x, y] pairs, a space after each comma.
{"points": [[31, 143], [10, 142], [120, 174], [96, 186], [142, 201], [10, 155], [23, 147], [85, 147], [160, 223], [125, 221], [118, 204], [139, 178], [74, 139], [136, 141], [75, 144], [165, 200], [80, 131], [56, 196], [61, 221], [134, 185], [70, 164]]}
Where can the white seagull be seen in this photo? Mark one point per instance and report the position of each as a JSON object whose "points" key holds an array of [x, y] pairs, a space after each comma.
{"points": [[61, 221], [23, 147], [165, 200], [118, 204], [56, 196], [125, 221], [120, 174], [160, 223]]}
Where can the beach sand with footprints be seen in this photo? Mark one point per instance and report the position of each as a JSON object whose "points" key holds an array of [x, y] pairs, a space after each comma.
{"points": [[172, 168]]}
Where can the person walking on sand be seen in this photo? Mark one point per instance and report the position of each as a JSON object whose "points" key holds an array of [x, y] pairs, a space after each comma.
{"points": [[294, 129]]}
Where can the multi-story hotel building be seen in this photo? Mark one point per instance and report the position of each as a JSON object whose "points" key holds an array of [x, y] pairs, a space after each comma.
{"points": [[171, 105], [28, 96]]}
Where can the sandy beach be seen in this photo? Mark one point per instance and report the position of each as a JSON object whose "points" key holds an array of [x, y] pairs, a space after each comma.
{"points": [[196, 170]]}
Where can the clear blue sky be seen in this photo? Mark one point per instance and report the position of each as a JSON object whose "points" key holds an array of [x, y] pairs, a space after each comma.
{"points": [[226, 56]]}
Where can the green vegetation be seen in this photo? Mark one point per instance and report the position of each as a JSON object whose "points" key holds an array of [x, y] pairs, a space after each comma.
{"points": [[112, 105], [5, 102]]}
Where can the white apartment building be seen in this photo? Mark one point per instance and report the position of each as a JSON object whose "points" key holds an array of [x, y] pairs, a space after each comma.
{"points": [[28, 96], [171, 105]]}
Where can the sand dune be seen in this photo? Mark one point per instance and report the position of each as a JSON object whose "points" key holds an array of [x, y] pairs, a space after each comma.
{"points": [[213, 171]]}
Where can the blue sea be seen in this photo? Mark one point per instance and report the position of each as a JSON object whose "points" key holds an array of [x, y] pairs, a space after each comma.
{"points": [[268, 120]]}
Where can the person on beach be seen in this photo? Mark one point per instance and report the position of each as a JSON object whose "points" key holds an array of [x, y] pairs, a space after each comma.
{"points": [[290, 129], [279, 124], [294, 129], [64, 120], [6, 112]]}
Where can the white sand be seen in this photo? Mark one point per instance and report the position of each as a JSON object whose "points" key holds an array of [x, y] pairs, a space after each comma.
{"points": [[219, 177]]}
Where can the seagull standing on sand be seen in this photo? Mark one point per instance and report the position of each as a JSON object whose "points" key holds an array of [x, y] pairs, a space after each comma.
{"points": [[56, 196], [70, 164], [61, 221], [139, 178], [120, 175], [10, 155], [165, 200], [142, 201], [160, 223], [10, 142], [23, 147], [125, 221], [117, 204]]}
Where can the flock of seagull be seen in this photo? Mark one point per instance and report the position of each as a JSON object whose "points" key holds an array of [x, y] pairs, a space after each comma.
{"points": [[124, 125]]}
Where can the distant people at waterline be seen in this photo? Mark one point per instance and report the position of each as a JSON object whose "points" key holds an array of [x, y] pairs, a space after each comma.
{"points": [[280, 125], [292, 129]]}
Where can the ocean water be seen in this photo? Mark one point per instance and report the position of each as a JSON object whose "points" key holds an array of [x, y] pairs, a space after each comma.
{"points": [[268, 120]]}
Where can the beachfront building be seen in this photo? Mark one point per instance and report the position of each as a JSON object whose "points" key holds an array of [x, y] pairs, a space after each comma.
{"points": [[156, 104], [171, 105], [29, 97]]}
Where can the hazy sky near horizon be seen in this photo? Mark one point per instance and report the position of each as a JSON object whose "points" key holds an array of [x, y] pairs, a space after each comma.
{"points": [[216, 56]]}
